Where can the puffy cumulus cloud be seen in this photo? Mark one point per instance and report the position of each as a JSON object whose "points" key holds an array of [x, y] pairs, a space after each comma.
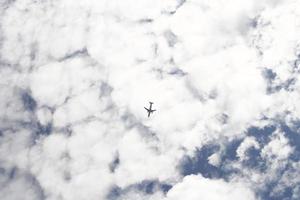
{"points": [[195, 187], [211, 37], [34, 37], [65, 171], [16, 144], [160, 163], [137, 195], [214, 159], [240, 95], [119, 44], [26, 185], [75, 76], [59, 79], [245, 145], [278, 148]]}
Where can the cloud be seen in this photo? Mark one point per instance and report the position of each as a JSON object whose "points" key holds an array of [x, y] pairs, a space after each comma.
{"points": [[25, 185], [195, 187], [277, 148], [75, 78], [246, 144]]}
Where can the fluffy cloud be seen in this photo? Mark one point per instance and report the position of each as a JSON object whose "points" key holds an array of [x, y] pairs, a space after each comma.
{"points": [[76, 76], [195, 187], [245, 145], [277, 148]]}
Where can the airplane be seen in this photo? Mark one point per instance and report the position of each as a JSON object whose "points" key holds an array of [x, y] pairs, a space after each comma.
{"points": [[149, 110]]}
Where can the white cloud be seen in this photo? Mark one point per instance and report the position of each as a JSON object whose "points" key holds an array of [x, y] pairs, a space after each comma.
{"points": [[247, 143], [196, 187], [91, 67], [214, 159], [44, 115], [277, 148], [23, 184], [160, 164], [52, 84], [142, 196]]}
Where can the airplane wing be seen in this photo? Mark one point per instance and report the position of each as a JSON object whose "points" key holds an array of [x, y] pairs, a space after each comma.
{"points": [[153, 110], [146, 109]]}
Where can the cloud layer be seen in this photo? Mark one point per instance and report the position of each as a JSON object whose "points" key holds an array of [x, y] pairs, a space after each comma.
{"points": [[223, 76]]}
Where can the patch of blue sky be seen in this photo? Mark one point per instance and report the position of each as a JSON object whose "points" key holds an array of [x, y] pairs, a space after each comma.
{"points": [[147, 187]]}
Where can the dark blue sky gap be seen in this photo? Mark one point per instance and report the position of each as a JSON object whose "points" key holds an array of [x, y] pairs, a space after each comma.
{"points": [[254, 161], [294, 139], [199, 163], [43, 129], [147, 187], [262, 135], [28, 101]]}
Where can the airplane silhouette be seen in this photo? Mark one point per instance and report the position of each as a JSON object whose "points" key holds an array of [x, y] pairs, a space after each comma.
{"points": [[149, 110]]}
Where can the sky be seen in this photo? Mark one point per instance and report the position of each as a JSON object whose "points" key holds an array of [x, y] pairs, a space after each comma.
{"points": [[224, 76]]}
